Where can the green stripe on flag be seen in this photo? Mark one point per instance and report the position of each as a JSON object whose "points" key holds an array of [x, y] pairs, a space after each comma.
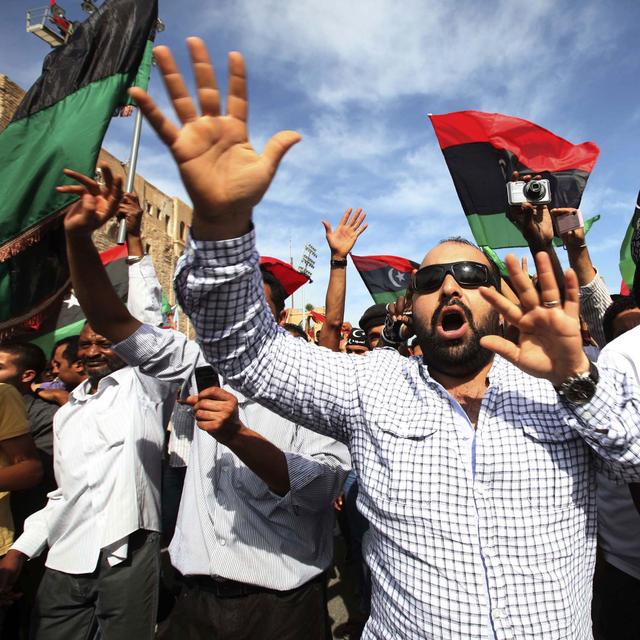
{"points": [[387, 296], [47, 342], [504, 233], [144, 71], [42, 141]]}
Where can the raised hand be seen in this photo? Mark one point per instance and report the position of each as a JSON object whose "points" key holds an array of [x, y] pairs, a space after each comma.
{"points": [[96, 205], [343, 238], [131, 211], [533, 221], [223, 174], [550, 341]]}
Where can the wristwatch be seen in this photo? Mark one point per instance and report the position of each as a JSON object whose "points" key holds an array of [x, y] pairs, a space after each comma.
{"points": [[338, 264], [134, 259], [580, 389]]}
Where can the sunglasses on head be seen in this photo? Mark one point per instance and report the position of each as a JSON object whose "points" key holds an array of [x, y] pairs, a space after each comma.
{"points": [[466, 273]]}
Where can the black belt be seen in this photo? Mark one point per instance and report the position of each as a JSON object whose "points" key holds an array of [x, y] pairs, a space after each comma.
{"points": [[222, 588]]}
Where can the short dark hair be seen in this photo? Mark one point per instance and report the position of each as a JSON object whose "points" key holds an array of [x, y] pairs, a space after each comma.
{"points": [[297, 329], [278, 294], [27, 355], [70, 353], [619, 304], [494, 269]]}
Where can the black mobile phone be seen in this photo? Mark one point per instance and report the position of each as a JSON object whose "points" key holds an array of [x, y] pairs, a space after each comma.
{"points": [[206, 377]]}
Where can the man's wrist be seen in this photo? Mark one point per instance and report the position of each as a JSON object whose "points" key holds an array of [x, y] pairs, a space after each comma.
{"points": [[221, 227], [338, 255]]}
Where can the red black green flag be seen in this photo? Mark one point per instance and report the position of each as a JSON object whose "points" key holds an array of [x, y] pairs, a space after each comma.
{"points": [[482, 150], [386, 277], [627, 264], [61, 123], [66, 318], [290, 278]]}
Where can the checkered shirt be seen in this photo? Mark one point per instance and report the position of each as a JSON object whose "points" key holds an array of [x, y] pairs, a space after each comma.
{"points": [[521, 528]]}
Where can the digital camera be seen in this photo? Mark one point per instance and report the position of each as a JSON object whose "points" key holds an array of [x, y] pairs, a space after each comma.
{"points": [[534, 191]]}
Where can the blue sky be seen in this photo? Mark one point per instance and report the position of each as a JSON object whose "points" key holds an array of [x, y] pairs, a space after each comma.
{"points": [[357, 79]]}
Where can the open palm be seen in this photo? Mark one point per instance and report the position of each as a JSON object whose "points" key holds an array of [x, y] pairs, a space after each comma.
{"points": [[222, 172], [550, 342], [343, 238]]}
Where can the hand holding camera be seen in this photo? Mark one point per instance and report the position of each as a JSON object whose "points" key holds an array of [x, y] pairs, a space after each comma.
{"points": [[528, 199]]}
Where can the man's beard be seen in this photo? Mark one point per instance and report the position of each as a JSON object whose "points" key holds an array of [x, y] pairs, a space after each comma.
{"points": [[460, 357], [107, 368]]}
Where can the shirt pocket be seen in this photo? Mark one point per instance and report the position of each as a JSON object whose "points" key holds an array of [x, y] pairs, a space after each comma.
{"points": [[558, 463], [409, 452]]}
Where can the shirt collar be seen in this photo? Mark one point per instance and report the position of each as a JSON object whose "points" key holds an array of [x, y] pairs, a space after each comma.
{"points": [[81, 392]]}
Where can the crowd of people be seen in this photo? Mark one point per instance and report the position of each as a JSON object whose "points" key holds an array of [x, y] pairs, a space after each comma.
{"points": [[478, 439]]}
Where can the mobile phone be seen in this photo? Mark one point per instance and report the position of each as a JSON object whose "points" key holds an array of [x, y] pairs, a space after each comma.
{"points": [[568, 222], [206, 377]]}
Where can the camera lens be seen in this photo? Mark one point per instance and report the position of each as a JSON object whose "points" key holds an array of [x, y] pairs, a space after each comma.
{"points": [[534, 191]]}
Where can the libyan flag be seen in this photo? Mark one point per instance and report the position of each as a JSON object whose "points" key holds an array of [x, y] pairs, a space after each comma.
{"points": [[482, 150], [61, 123], [290, 278], [627, 265], [66, 317], [386, 277]]}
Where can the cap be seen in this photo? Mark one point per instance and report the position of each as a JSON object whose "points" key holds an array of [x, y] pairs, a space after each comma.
{"points": [[374, 316]]}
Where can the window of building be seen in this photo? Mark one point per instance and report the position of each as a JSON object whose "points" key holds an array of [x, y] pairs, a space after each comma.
{"points": [[182, 230]]}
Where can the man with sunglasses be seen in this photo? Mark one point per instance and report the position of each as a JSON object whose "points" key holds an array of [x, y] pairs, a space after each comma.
{"points": [[476, 475]]}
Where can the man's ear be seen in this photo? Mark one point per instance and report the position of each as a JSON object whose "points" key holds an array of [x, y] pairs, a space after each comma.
{"points": [[28, 376], [282, 317], [78, 365]]}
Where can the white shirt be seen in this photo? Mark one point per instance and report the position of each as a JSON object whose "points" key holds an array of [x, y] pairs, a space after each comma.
{"points": [[230, 524], [523, 528], [107, 450], [618, 517]]}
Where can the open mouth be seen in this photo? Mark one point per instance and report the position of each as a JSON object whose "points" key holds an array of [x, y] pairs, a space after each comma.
{"points": [[452, 323]]}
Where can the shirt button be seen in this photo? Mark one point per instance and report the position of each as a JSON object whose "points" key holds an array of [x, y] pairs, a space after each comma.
{"points": [[223, 543], [499, 614]]}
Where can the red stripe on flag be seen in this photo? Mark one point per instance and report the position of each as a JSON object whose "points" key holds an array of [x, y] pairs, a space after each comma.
{"points": [[369, 263], [536, 147], [113, 253], [291, 279], [317, 317]]}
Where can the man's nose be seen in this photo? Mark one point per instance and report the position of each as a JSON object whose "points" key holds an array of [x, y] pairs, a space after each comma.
{"points": [[450, 287], [92, 351]]}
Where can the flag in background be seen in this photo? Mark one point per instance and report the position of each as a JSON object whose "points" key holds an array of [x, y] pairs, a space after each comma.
{"points": [[61, 123], [627, 264], [483, 149], [66, 318], [289, 277], [386, 277]]}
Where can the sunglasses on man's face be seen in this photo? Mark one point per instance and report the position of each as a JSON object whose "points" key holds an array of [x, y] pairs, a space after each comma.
{"points": [[467, 274]]}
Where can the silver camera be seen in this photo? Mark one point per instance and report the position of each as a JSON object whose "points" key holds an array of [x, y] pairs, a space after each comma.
{"points": [[534, 191]]}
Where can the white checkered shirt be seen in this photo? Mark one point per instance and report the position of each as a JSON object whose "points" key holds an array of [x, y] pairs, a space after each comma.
{"points": [[521, 528]]}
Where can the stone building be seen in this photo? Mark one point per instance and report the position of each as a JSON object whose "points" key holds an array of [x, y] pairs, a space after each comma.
{"points": [[166, 218]]}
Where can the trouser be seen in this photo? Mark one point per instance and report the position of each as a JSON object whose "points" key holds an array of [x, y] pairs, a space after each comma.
{"points": [[617, 600], [229, 610], [120, 601]]}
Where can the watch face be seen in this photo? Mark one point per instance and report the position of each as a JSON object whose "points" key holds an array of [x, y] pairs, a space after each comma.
{"points": [[580, 390]]}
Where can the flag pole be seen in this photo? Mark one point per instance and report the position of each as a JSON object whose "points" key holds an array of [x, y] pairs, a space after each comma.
{"points": [[131, 174]]}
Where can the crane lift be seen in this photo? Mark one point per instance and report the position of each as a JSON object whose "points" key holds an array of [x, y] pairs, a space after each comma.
{"points": [[51, 24]]}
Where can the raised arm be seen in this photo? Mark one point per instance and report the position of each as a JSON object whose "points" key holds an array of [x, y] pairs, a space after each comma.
{"points": [[144, 298], [218, 282], [595, 298], [106, 313], [536, 225], [341, 241]]}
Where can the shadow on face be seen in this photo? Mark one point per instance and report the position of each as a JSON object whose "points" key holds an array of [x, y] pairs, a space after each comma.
{"points": [[97, 356]]}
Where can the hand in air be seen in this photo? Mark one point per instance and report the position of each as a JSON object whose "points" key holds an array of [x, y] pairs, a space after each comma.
{"points": [[222, 172], [550, 342], [343, 238], [533, 221], [97, 203]]}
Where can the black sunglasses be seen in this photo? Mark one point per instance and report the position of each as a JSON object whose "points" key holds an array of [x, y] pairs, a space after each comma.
{"points": [[467, 274]]}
